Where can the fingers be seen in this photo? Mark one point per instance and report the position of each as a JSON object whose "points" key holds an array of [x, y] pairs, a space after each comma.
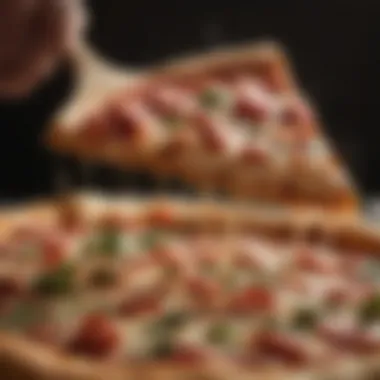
{"points": [[34, 37]]}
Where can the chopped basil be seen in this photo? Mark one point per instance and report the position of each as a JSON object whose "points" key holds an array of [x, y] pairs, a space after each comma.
{"points": [[211, 98], [108, 242], [305, 319], [370, 310], [22, 315], [58, 282], [219, 333], [103, 278], [162, 349], [152, 238], [170, 323], [173, 320]]}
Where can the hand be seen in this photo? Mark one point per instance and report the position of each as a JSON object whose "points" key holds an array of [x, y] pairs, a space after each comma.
{"points": [[34, 36]]}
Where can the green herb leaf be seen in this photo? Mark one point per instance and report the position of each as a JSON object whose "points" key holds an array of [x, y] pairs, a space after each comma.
{"points": [[22, 315], [170, 324], [370, 310], [305, 319], [103, 278], [173, 320], [58, 282], [108, 242], [211, 98], [163, 349], [219, 333], [152, 239]]}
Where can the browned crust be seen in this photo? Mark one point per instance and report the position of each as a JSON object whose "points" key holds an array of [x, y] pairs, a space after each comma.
{"points": [[24, 360], [64, 140], [340, 231]]}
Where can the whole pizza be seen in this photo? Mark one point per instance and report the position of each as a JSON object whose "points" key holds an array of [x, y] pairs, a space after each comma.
{"points": [[95, 288]]}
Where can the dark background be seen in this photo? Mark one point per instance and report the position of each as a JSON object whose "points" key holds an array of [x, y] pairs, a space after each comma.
{"points": [[334, 45]]}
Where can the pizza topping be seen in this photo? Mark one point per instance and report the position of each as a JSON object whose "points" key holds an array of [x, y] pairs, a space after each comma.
{"points": [[103, 278], [251, 105], [107, 242], [204, 291], [10, 287], [290, 349], [128, 120], [171, 103], [309, 260], [219, 333], [163, 349], [96, 337], [175, 256], [141, 304], [173, 321], [350, 339], [305, 319], [153, 239], [54, 251], [296, 112], [369, 311], [258, 256], [210, 132], [57, 282], [252, 299], [213, 97]]}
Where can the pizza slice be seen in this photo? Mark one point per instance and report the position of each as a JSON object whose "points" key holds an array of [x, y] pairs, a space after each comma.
{"points": [[117, 289], [233, 121]]}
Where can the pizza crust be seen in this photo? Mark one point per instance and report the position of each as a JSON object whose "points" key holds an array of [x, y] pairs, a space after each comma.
{"points": [[23, 360]]}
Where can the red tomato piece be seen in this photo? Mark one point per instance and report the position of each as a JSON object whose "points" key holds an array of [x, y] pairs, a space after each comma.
{"points": [[298, 116], [141, 304], [174, 256], [9, 288], [253, 299], [204, 290], [161, 217], [281, 347], [54, 252], [309, 261], [96, 337], [95, 129], [127, 121], [252, 109], [296, 113], [338, 296]]}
